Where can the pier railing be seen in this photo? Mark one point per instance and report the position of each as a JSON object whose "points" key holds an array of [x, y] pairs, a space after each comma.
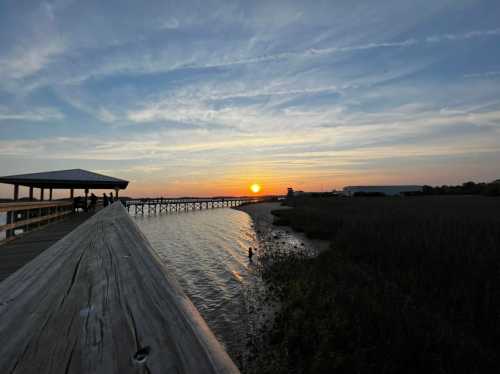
{"points": [[22, 217], [159, 205], [100, 301]]}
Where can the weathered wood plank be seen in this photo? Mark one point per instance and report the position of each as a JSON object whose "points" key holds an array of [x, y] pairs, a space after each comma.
{"points": [[99, 301]]}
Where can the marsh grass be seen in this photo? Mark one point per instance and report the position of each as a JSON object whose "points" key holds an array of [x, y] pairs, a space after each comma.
{"points": [[409, 285]]}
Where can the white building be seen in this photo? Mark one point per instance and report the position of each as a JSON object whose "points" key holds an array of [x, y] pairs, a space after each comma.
{"points": [[386, 190]]}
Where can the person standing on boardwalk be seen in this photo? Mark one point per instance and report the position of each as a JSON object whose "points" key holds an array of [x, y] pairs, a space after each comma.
{"points": [[77, 203], [93, 202], [105, 201]]}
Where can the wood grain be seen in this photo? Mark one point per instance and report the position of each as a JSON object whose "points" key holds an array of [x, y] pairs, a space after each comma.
{"points": [[99, 301]]}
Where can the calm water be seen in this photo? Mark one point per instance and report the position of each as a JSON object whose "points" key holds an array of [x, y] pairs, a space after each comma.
{"points": [[207, 252]]}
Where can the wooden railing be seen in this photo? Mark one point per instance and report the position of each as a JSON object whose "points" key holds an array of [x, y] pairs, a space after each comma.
{"points": [[22, 217], [159, 205], [100, 301]]}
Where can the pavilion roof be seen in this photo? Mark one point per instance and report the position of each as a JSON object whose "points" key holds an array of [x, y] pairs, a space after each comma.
{"points": [[72, 178]]}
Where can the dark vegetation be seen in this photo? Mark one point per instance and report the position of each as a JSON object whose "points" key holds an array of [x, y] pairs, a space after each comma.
{"points": [[467, 188], [410, 285]]}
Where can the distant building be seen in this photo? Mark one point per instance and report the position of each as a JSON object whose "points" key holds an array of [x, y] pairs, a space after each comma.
{"points": [[292, 193], [382, 190]]}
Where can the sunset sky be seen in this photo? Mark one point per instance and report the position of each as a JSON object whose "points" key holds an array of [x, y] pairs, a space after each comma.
{"points": [[208, 97]]}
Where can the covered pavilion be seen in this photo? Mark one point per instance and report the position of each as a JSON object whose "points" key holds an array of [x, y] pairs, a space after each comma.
{"points": [[64, 179]]}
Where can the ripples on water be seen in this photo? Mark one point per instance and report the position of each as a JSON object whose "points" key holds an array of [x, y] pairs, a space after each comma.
{"points": [[207, 251]]}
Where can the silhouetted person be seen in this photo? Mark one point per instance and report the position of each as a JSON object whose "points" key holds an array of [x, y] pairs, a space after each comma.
{"points": [[250, 253], [93, 202], [85, 201], [111, 198], [105, 200], [78, 203]]}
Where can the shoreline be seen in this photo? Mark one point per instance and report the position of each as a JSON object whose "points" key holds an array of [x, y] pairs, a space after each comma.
{"points": [[274, 242], [283, 238]]}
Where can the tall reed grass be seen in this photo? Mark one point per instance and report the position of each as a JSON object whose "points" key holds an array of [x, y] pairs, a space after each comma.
{"points": [[409, 285]]}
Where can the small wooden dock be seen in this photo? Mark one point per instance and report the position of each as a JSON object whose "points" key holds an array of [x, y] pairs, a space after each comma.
{"points": [[100, 301], [161, 205]]}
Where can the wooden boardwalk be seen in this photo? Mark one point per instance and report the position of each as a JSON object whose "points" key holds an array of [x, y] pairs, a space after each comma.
{"points": [[100, 301], [17, 253]]}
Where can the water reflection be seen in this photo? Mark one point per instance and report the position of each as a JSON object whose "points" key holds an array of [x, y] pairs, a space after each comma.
{"points": [[207, 252]]}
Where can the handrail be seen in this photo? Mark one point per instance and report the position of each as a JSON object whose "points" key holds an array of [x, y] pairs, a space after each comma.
{"points": [[100, 301], [30, 221], [25, 205], [29, 214], [191, 200], [160, 201]]}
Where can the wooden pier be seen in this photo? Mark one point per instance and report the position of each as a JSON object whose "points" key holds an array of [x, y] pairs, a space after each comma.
{"points": [[162, 205], [100, 301]]}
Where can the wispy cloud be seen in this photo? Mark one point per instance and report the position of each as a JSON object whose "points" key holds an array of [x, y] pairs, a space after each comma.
{"points": [[350, 48], [170, 23], [106, 116], [24, 61], [162, 63], [462, 36], [486, 74], [36, 114]]}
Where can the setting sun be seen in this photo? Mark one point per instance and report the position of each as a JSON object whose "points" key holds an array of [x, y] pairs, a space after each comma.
{"points": [[255, 188]]}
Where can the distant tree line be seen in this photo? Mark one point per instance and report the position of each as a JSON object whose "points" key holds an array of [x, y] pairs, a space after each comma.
{"points": [[467, 188]]}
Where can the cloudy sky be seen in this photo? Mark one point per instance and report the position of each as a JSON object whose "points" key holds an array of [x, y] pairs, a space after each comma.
{"points": [[203, 98]]}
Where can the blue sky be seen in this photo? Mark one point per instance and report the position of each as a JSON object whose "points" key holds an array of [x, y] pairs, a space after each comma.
{"points": [[207, 97]]}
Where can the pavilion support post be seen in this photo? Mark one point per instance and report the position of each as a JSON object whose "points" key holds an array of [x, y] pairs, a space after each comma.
{"points": [[86, 198], [116, 192], [71, 193], [16, 192], [50, 194], [41, 194], [9, 233], [31, 193]]}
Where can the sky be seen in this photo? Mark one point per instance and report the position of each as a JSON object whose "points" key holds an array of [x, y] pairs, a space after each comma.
{"points": [[204, 98]]}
